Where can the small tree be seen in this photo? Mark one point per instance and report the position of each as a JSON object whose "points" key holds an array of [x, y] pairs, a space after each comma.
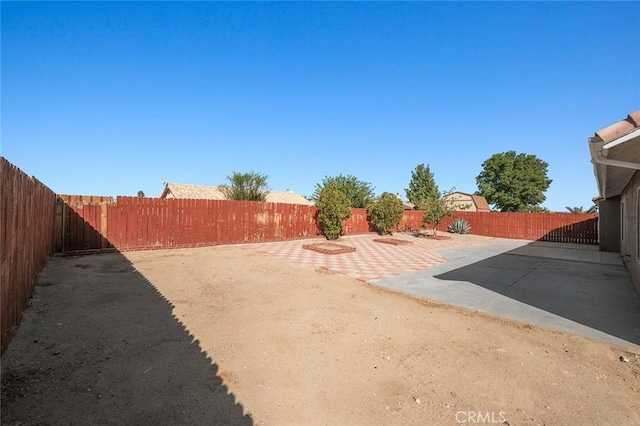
{"points": [[359, 193], [436, 210], [141, 194], [386, 213], [246, 186], [333, 208], [422, 186]]}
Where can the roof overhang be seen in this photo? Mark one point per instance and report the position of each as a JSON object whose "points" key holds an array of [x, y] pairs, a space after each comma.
{"points": [[615, 162]]}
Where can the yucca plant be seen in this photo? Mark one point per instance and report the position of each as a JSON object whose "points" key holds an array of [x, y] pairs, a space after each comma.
{"points": [[460, 226]]}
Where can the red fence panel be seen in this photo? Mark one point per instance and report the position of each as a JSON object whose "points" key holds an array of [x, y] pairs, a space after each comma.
{"points": [[27, 212], [554, 227], [134, 223]]}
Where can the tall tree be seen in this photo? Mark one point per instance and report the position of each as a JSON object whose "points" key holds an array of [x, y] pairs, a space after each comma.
{"points": [[513, 182], [246, 186], [359, 193], [422, 186]]}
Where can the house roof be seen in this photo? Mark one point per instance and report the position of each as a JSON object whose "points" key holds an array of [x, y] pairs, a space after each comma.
{"points": [[200, 192], [479, 201], [287, 197], [615, 154], [180, 190], [619, 129]]}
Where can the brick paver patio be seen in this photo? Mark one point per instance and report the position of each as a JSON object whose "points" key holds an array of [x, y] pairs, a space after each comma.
{"points": [[371, 261]]}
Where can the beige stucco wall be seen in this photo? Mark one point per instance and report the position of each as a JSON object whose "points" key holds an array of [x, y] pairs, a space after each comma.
{"points": [[629, 238], [460, 201]]}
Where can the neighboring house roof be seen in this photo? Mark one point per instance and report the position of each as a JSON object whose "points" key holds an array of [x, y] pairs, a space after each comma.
{"points": [[615, 154], [478, 200], [481, 202], [406, 204], [179, 190], [287, 197], [200, 192]]}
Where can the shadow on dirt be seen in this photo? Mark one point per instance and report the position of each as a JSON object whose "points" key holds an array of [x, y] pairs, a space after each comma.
{"points": [[99, 345]]}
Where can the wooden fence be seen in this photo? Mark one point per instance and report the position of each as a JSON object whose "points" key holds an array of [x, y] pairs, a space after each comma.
{"points": [[96, 223], [76, 216], [26, 241], [134, 223], [553, 227]]}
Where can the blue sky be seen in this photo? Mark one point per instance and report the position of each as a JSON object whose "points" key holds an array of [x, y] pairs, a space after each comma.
{"points": [[107, 98]]}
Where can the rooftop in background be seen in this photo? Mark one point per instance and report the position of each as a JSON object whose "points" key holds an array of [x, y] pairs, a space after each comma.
{"points": [[202, 192], [470, 202]]}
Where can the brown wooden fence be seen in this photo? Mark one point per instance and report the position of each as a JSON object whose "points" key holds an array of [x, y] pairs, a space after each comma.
{"points": [[81, 223], [134, 223], [26, 240], [95, 223], [553, 227]]}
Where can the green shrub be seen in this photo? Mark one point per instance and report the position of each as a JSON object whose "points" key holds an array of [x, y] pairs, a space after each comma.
{"points": [[386, 213], [460, 226], [333, 208]]}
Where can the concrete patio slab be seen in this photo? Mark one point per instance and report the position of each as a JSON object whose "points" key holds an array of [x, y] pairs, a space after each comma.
{"points": [[566, 287]]}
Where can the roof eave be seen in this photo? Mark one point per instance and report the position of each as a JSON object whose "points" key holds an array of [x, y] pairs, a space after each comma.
{"points": [[599, 170]]}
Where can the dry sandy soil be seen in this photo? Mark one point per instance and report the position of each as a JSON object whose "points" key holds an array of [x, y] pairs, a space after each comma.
{"points": [[226, 335]]}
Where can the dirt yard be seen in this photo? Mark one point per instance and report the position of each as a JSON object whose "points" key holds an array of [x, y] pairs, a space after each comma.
{"points": [[226, 335]]}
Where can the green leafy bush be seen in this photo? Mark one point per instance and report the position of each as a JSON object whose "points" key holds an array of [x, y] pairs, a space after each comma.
{"points": [[460, 226], [386, 213], [333, 208]]}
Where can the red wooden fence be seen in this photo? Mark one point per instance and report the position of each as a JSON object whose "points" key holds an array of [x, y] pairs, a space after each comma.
{"points": [[76, 216], [149, 223], [554, 227], [26, 240]]}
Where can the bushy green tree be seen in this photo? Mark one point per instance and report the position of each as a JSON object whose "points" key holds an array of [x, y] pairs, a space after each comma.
{"points": [[436, 210], [246, 186], [141, 194], [386, 212], [422, 186], [513, 182], [333, 209], [359, 193]]}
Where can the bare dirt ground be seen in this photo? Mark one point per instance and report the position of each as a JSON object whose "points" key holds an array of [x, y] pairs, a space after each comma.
{"points": [[226, 335]]}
